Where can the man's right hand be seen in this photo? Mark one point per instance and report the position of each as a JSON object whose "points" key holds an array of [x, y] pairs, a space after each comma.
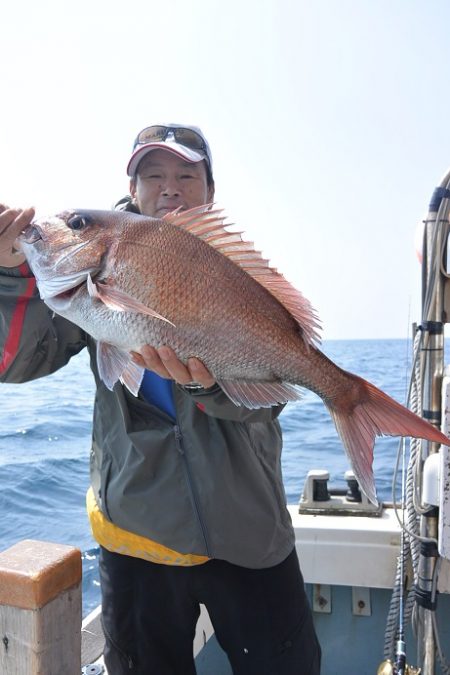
{"points": [[12, 222]]}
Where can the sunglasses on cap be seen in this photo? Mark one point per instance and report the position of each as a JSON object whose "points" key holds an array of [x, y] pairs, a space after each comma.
{"points": [[187, 137]]}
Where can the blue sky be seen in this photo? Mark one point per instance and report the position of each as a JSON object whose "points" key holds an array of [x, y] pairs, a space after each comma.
{"points": [[328, 123]]}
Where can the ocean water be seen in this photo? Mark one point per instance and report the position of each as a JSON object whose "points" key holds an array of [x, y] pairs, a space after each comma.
{"points": [[45, 441]]}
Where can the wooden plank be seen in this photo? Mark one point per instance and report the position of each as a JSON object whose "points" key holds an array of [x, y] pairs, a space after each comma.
{"points": [[40, 609], [92, 637]]}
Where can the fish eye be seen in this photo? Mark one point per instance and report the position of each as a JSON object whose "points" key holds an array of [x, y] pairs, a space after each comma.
{"points": [[77, 223]]}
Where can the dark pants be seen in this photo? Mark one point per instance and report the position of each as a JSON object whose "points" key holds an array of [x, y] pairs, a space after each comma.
{"points": [[261, 618]]}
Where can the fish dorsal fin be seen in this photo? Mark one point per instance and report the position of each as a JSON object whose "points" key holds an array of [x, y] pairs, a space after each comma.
{"points": [[209, 224]]}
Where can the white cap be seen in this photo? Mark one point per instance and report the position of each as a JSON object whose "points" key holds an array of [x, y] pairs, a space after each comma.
{"points": [[171, 140]]}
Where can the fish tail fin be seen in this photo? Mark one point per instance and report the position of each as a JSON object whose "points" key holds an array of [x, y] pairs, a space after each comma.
{"points": [[374, 413]]}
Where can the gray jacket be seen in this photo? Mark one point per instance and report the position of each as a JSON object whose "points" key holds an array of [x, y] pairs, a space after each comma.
{"points": [[208, 484]]}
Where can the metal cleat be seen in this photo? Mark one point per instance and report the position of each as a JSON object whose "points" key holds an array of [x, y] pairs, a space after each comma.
{"points": [[318, 498]]}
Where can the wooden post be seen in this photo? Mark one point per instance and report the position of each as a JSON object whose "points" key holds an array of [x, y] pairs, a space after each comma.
{"points": [[40, 609]]}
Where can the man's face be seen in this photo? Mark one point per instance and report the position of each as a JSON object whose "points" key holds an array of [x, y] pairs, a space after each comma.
{"points": [[165, 181]]}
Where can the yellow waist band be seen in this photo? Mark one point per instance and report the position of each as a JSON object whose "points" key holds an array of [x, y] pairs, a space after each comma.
{"points": [[117, 540]]}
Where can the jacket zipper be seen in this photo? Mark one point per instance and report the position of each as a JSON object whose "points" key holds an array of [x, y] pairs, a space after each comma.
{"points": [[187, 469]]}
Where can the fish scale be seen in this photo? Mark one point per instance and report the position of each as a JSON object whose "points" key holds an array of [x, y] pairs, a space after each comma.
{"points": [[193, 299], [187, 282]]}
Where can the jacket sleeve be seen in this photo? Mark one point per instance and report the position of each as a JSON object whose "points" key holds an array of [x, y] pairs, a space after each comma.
{"points": [[215, 402], [33, 341]]}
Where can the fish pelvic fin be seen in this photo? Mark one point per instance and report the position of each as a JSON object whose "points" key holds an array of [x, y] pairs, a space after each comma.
{"points": [[209, 224], [259, 394], [375, 414], [118, 301], [115, 364]]}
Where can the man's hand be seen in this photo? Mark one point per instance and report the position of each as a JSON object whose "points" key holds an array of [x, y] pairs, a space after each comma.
{"points": [[165, 363], [12, 222]]}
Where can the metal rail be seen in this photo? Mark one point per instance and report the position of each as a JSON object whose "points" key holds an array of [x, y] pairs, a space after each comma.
{"points": [[432, 366]]}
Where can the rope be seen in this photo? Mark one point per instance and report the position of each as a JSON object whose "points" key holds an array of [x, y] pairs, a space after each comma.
{"points": [[410, 549]]}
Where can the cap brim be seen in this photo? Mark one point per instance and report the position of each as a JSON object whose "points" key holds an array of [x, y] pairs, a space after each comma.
{"points": [[175, 148]]}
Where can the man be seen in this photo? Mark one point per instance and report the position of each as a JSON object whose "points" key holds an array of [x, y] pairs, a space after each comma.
{"points": [[186, 497]]}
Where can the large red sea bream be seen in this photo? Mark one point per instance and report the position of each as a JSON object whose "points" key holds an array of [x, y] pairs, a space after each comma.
{"points": [[186, 282]]}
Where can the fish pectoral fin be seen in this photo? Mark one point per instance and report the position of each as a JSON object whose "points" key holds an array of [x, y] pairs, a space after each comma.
{"points": [[132, 376], [115, 364], [259, 394], [119, 301]]}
